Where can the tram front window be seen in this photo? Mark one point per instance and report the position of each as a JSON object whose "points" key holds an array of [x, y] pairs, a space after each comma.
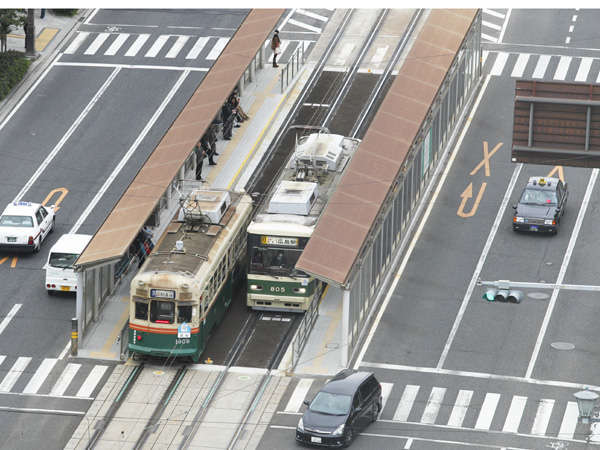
{"points": [[184, 313], [275, 260], [141, 310], [162, 312]]}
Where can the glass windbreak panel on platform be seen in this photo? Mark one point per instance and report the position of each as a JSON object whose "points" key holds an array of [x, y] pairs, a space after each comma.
{"points": [[275, 255], [141, 310], [184, 313], [162, 312], [63, 260]]}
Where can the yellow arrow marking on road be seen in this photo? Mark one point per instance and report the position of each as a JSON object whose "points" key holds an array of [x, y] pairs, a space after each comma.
{"points": [[466, 195], [486, 158], [561, 173], [63, 192]]}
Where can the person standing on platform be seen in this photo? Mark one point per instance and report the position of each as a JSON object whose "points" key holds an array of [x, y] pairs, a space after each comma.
{"points": [[200, 155], [275, 44], [205, 145], [228, 117]]}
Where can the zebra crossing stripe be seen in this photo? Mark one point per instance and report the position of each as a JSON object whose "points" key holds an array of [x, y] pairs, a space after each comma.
{"points": [[137, 44], [197, 48], [484, 56], [542, 417], [491, 12], [584, 69], [433, 405], [158, 44], [491, 25], [520, 65], [305, 26], [312, 15], [540, 68], [72, 48], [487, 37], [379, 54], [14, 373], [217, 49], [96, 44], [116, 45], [386, 389], [2, 358], [488, 409], [406, 402], [65, 379], [569, 421], [91, 381], [457, 416], [299, 394], [515, 413], [563, 68], [12, 313], [343, 55], [40, 376], [498, 66]]}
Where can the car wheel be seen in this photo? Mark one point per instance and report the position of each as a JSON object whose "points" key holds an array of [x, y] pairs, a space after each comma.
{"points": [[348, 437], [375, 412], [53, 224], [36, 248]]}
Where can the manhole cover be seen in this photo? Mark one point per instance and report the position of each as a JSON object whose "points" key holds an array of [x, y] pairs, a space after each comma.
{"points": [[538, 295], [562, 346], [158, 372]]}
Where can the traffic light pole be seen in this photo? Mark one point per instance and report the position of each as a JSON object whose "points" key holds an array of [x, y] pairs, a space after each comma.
{"points": [[30, 33]]}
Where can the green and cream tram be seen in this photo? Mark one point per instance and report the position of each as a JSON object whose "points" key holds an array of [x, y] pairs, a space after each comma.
{"points": [[186, 284]]}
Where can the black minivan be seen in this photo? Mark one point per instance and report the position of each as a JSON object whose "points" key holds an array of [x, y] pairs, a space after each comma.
{"points": [[347, 403]]}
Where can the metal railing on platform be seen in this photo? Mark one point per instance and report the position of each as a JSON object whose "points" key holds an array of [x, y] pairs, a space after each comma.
{"points": [[304, 329], [290, 70]]}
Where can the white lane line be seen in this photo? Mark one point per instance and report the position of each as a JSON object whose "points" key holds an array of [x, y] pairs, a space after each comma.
{"points": [[520, 65], [488, 409], [117, 44], [72, 48], [408, 444], [499, 64], [504, 25], [584, 69], [540, 68], [282, 24], [491, 25], [158, 44], [134, 66], [2, 358], [197, 48], [406, 403], [491, 12], [563, 68], [514, 415], [574, 18], [40, 376], [409, 250], [461, 405], [91, 16], [58, 147], [542, 417], [61, 412], [571, 28], [484, 56], [96, 44], [217, 49], [436, 397], [65, 350], [312, 15], [568, 40], [487, 37], [299, 394], [563, 269], [130, 152], [177, 46], [379, 54], [12, 313], [386, 390], [137, 44], [305, 26], [569, 421], [14, 373], [65, 379], [91, 381]]}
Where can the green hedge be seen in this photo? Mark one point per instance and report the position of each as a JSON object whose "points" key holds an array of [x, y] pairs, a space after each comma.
{"points": [[64, 12], [13, 67]]}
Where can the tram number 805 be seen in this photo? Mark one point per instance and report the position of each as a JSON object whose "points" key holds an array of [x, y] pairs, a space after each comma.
{"points": [[277, 289]]}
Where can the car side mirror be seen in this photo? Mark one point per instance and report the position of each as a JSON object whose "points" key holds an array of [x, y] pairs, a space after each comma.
{"points": [[306, 402], [557, 210], [358, 409]]}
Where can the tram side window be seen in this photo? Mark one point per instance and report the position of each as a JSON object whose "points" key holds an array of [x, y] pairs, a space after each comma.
{"points": [[141, 310], [162, 312], [184, 313]]}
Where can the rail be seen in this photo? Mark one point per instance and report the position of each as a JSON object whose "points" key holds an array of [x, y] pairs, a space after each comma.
{"points": [[293, 65]]}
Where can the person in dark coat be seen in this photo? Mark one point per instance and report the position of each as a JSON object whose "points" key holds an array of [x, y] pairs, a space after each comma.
{"points": [[228, 117], [275, 44], [212, 137], [200, 155], [234, 101], [205, 145]]}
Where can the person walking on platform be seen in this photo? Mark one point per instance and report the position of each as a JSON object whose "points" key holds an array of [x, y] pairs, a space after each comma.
{"points": [[275, 44], [205, 145]]}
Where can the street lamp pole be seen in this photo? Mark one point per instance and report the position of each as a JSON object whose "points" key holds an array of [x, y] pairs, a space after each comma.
{"points": [[30, 33]]}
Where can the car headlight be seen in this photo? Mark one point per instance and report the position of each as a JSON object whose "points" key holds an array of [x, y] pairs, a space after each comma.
{"points": [[339, 430], [300, 425], [520, 219], [548, 221]]}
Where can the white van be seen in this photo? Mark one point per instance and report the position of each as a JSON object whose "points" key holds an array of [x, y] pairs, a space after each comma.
{"points": [[60, 275]]}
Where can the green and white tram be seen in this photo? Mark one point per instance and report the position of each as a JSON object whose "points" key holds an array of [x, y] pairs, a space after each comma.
{"points": [[186, 284], [286, 220]]}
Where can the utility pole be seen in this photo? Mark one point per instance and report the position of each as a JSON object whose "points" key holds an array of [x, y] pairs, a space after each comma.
{"points": [[30, 33]]}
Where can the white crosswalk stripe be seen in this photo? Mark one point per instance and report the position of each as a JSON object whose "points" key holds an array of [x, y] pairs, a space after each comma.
{"points": [[520, 65], [197, 48], [14, 373], [406, 403], [433, 405], [491, 25], [299, 394], [501, 59], [491, 12], [542, 417], [488, 409], [91, 381], [311, 15], [157, 46], [569, 421], [72, 48], [177, 46], [386, 390], [379, 54], [305, 26], [540, 68], [217, 49], [563, 67], [457, 416], [96, 44], [65, 379], [117, 44], [515, 412], [137, 45], [584, 69], [40, 376]]}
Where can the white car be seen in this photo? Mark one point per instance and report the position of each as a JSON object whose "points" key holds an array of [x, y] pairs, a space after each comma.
{"points": [[24, 225]]}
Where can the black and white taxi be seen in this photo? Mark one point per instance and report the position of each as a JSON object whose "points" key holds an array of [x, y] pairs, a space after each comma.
{"points": [[24, 225]]}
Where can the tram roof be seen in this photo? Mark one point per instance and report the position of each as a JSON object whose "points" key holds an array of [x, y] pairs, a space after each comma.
{"points": [[352, 211], [138, 202]]}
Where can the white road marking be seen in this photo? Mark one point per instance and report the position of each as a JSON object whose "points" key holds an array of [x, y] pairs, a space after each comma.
{"points": [[461, 405], [197, 48], [72, 48], [562, 271], [488, 409], [491, 25], [574, 18], [542, 417], [406, 403], [436, 397], [157, 46], [137, 45], [14, 373], [65, 350], [571, 28], [312, 15], [491, 12], [40, 376], [177, 46], [344, 54], [305, 26], [584, 69], [91, 16], [484, 56], [62, 412], [504, 25], [379, 54], [514, 415], [520, 65], [568, 40], [58, 147], [65, 379], [569, 421], [91, 381], [12, 313], [499, 64], [96, 44], [408, 444], [386, 389], [217, 49], [598, 79], [487, 37], [563, 68], [540, 68], [130, 152], [2, 358], [295, 402], [117, 44], [135, 66]]}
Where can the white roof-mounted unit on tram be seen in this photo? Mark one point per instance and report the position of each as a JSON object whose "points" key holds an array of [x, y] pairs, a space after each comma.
{"points": [[200, 204], [320, 150], [293, 197]]}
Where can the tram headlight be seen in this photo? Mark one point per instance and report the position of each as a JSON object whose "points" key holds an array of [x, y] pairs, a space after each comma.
{"points": [[300, 290], [256, 287], [141, 283]]}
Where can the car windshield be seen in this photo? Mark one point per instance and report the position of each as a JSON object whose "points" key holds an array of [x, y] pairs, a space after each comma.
{"points": [[333, 404], [538, 197], [63, 260], [16, 221]]}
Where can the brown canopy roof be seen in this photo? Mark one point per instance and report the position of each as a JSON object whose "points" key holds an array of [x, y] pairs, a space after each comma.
{"points": [[139, 200], [352, 210]]}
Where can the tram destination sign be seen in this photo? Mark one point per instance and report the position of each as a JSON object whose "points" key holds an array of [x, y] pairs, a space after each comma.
{"points": [[162, 293], [278, 240]]}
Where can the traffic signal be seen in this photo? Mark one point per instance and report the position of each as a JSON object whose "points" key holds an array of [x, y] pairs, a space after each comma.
{"points": [[503, 295]]}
